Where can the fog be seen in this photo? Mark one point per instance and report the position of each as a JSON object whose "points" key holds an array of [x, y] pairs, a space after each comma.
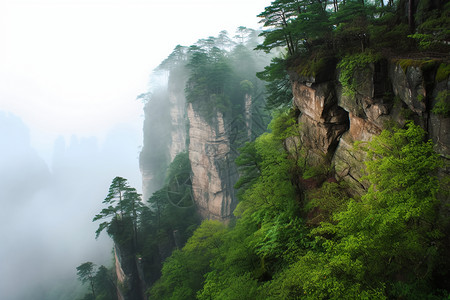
{"points": [[46, 209], [70, 71]]}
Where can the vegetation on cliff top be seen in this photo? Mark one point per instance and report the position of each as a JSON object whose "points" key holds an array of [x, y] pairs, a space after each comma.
{"points": [[315, 32]]}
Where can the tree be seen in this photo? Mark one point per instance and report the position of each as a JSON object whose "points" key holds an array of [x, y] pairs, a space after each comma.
{"points": [[351, 23], [278, 87], [114, 200], [434, 32], [85, 273], [183, 271], [223, 41], [243, 34], [209, 82], [294, 24], [124, 207], [105, 286], [278, 17], [177, 58], [133, 206]]}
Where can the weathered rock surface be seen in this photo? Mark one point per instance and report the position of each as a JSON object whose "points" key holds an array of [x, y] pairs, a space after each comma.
{"points": [[409, 86], [213, 170], [332, 121], [321, 119]]}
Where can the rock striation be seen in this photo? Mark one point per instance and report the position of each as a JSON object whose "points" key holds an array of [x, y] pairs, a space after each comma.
{"points": [[322, 120], [213, 170]]}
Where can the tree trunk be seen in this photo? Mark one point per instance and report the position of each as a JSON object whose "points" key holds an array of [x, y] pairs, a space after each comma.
{"points": [[92, 286]]}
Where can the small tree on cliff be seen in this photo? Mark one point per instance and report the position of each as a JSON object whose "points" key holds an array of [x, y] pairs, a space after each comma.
{"points": [[124, 208], [85, 273], [133, 207], [114, 200]]}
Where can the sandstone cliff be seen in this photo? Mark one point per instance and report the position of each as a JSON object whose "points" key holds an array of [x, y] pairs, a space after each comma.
{"points": [[213, 170], [386, 94]]}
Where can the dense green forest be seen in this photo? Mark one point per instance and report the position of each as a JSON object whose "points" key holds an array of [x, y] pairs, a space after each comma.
{"points": [[291, 239], [388, 243]]}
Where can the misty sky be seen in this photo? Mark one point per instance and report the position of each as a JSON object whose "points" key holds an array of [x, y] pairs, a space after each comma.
{"points": [[70, 71], [76, 66]]}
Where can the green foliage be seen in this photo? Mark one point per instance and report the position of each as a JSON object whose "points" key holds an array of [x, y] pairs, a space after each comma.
{"points": [[246, 85], [284, 124], [278, 87], [124, 208], [150, 233], [104, 283], [176, 59], [353, 19], [101, 281], [390, 243], [85, 273], [351, 64], [220, 77], [219, 80], [442, 106], [182, 273], [347, 248], [293, 24], [389, 35], [317, 65], [331, 198], [274, 172], [209, 80], [248, 163], [339, 30], [393, 230], [442, 72], [422, 64], [268, 233], [434, 32], [170, 219]]}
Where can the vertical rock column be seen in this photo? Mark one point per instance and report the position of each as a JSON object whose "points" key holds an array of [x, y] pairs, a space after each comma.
{"points": [[213, 169]]}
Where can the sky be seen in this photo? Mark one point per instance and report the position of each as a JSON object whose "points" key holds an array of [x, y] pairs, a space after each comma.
{"points": [[70, 71], [76, 66]]}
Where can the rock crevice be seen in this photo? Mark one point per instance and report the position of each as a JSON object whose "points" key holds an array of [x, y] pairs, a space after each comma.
{"points": [[213, 170], [386, 94]]}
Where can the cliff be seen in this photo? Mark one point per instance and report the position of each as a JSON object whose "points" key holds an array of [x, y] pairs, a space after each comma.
{"points": [[213, 170], [386, 93], [210, 107], [168, 123]]}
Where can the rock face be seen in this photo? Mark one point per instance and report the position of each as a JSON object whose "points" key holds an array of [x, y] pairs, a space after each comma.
{"points": [[213, 170], [332, 121], [171, 127], [322, 120]]}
